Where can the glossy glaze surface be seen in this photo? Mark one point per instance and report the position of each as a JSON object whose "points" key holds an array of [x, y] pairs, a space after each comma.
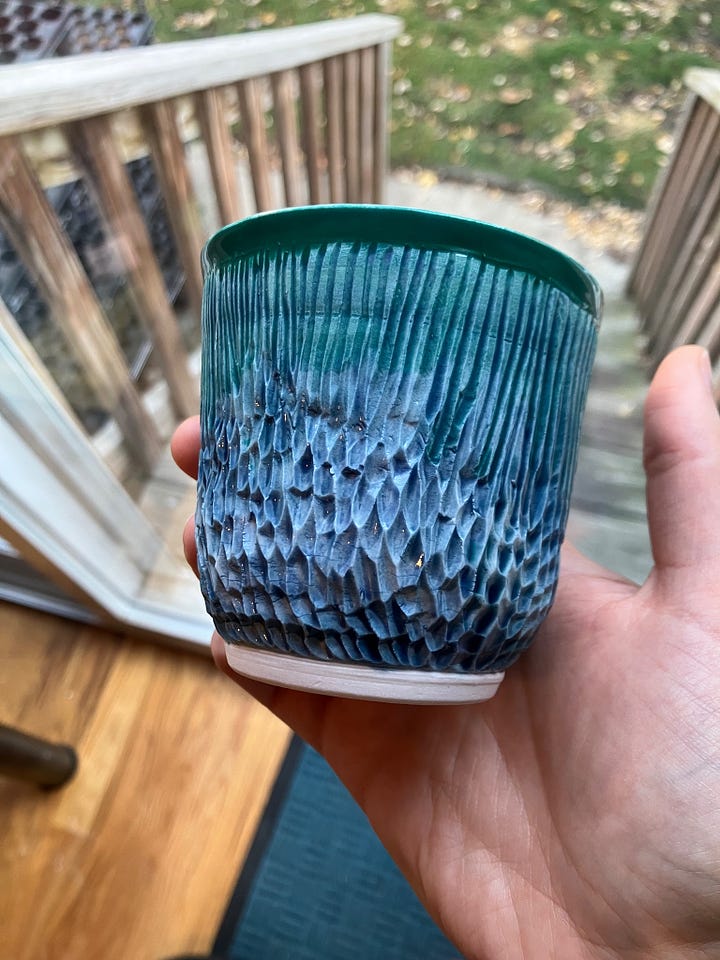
{"points": [[388, 442]]}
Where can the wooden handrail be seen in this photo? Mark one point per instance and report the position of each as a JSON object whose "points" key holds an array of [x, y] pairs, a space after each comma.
{"points": [[705, 82], [47, 92]]}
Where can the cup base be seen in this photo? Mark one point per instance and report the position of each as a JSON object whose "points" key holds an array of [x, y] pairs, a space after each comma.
{"points": [[360, 681]]}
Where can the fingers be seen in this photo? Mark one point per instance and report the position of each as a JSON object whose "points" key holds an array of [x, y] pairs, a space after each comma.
{"points": [[217, 648], [306, 713], [262, 692], [185, 446], [682, 463], [189, 545]]}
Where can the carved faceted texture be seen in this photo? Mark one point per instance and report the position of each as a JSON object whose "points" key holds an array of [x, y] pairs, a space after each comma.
{"points": [[388, 444]]}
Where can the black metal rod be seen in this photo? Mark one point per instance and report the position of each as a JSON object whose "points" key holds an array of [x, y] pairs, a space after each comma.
{"points": [[29, 758]]}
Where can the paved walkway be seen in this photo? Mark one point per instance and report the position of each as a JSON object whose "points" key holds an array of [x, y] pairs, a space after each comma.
{"points": [[607, 520]]}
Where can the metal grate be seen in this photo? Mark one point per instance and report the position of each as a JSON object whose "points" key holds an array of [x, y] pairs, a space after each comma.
{"points": [[31, 30], [90, 29]]}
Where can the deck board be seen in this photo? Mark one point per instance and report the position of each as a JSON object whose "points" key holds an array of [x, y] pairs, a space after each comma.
{"points": [[608, 518], [136, 857]]}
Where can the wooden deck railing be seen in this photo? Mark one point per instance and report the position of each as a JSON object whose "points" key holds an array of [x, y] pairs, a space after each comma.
{"points": [[306, 107], [676, 277]]}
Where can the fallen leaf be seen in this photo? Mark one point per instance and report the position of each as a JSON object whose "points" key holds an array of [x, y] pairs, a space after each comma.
{"points": [[563, 140], [459, 45], [195, 21], [462, 93], [426, 178], [514, 95]]}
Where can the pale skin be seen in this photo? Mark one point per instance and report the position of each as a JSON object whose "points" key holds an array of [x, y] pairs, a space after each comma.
{"points": [[577, 814]]}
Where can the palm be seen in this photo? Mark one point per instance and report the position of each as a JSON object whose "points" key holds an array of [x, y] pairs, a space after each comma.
{"points": [[576, 813]]}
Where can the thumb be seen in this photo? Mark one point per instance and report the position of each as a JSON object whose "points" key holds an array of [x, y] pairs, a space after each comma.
{"points": [[682, 462]]}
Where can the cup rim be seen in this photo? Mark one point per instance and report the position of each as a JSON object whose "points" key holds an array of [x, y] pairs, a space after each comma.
{"points": [[293, 227]]}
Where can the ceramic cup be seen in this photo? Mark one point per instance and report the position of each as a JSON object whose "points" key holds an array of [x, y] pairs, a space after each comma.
{"points": [[391, 405]]}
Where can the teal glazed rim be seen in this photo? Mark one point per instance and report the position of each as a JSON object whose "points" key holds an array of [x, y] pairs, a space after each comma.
{"points": [[295, 227]]}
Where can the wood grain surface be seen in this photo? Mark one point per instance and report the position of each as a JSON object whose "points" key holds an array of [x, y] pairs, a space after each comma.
{"points": [[38, 94], [136, 857]]}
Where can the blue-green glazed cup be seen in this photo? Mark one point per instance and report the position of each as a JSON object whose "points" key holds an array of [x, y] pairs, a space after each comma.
{"points": [[391, 406]]}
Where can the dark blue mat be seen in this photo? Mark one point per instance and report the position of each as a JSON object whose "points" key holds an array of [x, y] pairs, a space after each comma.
{"points": [[318, 885]]}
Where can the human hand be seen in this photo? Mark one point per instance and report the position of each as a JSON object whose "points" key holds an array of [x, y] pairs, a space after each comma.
{"points": [[577, 814]]}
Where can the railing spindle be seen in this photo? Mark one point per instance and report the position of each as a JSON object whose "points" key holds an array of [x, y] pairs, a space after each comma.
{"points": [[160, 127], [286, 129], [681, 329], [366, 107], [211, 115], [27, 216], [332, 79], [310, 131], [383, 55], [675, 279], [688, 265], [670, 183], [255, 137], [95, 144], [710, 336], [681, 212], [694, 323], [351, 91]]}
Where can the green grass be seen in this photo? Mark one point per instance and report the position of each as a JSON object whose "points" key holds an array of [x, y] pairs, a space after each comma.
{"points": [[579, 96]]}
